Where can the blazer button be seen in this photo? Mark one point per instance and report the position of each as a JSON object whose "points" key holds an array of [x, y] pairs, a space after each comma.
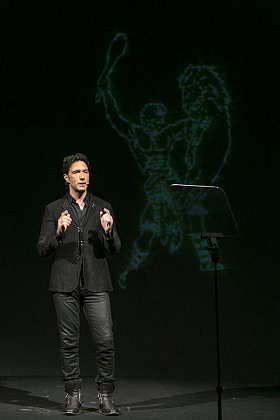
{"points": [[78, 257]]}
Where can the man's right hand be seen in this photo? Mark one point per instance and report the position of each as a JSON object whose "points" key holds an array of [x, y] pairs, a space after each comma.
{"points": [[63, 222]]}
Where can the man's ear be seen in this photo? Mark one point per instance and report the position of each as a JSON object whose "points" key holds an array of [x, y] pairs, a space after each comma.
{"points": [[66, 178]]}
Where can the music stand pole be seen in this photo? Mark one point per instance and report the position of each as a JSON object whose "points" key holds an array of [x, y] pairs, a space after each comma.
{"points": [[213, 246]]}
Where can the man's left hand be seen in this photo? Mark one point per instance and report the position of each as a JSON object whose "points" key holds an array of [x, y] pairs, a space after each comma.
{"points": [[106, 220]]}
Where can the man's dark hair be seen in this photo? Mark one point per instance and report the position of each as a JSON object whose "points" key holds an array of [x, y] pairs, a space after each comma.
{"points": [[68, 160]]}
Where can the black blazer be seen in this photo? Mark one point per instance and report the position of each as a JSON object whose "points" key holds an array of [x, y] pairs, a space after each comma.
{"points": [[82, 246]]}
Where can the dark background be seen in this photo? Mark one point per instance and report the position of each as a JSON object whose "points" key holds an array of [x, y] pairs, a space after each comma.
{"points": [[51, 56]]}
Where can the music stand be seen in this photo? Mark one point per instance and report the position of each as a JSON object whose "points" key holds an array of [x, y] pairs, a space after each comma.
{"points": [[208, 211]]}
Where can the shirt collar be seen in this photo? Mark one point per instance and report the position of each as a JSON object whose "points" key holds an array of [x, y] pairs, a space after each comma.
{"points": [[71, 200]]}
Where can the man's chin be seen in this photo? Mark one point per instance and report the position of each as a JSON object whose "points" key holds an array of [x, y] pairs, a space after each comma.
{"points": [[81, 188]]}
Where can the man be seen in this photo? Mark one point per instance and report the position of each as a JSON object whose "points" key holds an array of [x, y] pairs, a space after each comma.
{"points": [[79, 231]]}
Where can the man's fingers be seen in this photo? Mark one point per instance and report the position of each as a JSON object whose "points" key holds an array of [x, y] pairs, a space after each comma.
{"points": [[104, 211], [106, 219], [65, 224], [66, 221], [66, 216]]}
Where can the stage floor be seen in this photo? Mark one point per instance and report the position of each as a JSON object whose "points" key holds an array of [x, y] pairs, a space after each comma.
{"points": [[140, 398]]}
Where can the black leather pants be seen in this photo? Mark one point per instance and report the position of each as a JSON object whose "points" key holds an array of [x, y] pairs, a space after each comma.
{"points": [[97, 311]]}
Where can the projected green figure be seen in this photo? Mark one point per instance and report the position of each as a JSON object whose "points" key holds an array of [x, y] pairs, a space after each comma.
{"points": [[170, 152]]}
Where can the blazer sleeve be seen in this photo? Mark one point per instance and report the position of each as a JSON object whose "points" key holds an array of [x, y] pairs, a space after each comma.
{"points": [[48, 239], [111, 240]]}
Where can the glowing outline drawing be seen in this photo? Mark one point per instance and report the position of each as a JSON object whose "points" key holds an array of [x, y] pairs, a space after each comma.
{"points": [[153, 144]]}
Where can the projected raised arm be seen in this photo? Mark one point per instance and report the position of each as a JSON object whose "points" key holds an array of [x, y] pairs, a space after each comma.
{"points": [[117, 49]]}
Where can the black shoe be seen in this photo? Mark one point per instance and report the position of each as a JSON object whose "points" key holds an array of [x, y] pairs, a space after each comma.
{"points": [[73, 402], [106, 405]]}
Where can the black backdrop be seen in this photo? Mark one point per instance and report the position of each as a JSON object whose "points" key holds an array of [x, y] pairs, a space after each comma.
{"points": [[51, 56]]}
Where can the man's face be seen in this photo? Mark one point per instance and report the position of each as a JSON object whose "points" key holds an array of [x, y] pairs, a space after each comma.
{"points": [[78, 176]]}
